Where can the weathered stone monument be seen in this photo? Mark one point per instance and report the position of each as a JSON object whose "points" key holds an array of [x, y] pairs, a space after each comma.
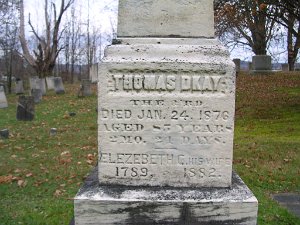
{"points": [[94, 73], [3, 100], [25, 108], [166, 123], [85, 88], [19, 87], [37, 95], [58, 85], [285, 67], [50, 83], [237, 63], [261, 64]]}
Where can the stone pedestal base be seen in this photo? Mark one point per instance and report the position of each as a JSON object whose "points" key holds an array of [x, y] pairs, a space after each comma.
{"points": [[117, 205]]}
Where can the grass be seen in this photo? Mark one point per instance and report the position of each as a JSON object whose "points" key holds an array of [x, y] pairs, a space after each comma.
{"points": [[40, 174]]}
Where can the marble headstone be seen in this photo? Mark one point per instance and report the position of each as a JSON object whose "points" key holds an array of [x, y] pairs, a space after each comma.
{"points": [[19, 87], [25, 108], [42, 82], [58, 85], [166, 104], [3, 100], [37, 95], [50, 83]]}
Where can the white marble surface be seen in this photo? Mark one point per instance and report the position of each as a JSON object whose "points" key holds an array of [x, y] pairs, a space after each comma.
{"points": [[97, 205], [163, 18], [166, 113], [3, 100]]}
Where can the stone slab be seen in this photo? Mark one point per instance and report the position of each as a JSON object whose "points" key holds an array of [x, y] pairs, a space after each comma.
{"points": [[25, 108], [166, 113], [50, 83], [261, 63], [19, 87], [3, 100], [58, 85], [291, 201], [167, 18], [115, 205]]}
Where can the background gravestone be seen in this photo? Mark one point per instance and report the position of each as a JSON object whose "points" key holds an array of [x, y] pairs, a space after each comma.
{"points": [[25, 108], [58, 85], [50, 83], [3, 100], [166, 120], [85, 88], [42, 82], [19, 87], [37, 95], [261, 63]]}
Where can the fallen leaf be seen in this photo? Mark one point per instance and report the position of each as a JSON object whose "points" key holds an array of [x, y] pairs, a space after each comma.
{"points": [[6, 179], [22, 183], [29, 175], [57, 193]]}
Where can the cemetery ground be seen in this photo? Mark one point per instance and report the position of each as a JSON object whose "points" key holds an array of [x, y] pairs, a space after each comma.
{"points": [[40, 173]]}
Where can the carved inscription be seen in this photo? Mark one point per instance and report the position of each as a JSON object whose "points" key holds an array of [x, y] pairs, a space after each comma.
{"points": [[170, 83], [154, 128]]}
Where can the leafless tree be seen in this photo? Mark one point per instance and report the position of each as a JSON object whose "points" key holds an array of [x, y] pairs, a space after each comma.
{"points": [[43, 58]]}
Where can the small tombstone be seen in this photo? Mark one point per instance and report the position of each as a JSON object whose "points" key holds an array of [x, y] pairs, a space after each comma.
{"points": [[237, 63], [25, 108], [285, 67], [19, 87], [261, 63], [85, 88], [42, 82], [94, 73], [4, 134], [37, 95], [3, 85], [58, 85], [50, 83], [3, 100], [34, 83], [53, 131]]}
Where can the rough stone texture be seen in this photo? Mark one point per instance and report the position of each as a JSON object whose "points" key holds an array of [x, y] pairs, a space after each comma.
{"points": [[156, 18], [166, 113], [261, 63], [19, 87], [114, 205], [50, 83], [3, 100], [58, 85], [37, 95], [25, 108]]}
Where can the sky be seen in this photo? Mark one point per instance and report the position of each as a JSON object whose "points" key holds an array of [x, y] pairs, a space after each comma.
{"points": [[103, 15]]}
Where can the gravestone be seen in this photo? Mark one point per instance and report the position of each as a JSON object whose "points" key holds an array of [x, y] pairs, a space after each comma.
{"points": [[4, 134], [285, 67], [58, 85], [261, 64], [19, 87], [3, 100], [166, 123], [34, 83], [94, 73], [85, 88], [37, 95], [42, 82], [25, 108], [237, 63], [50, 83]]}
